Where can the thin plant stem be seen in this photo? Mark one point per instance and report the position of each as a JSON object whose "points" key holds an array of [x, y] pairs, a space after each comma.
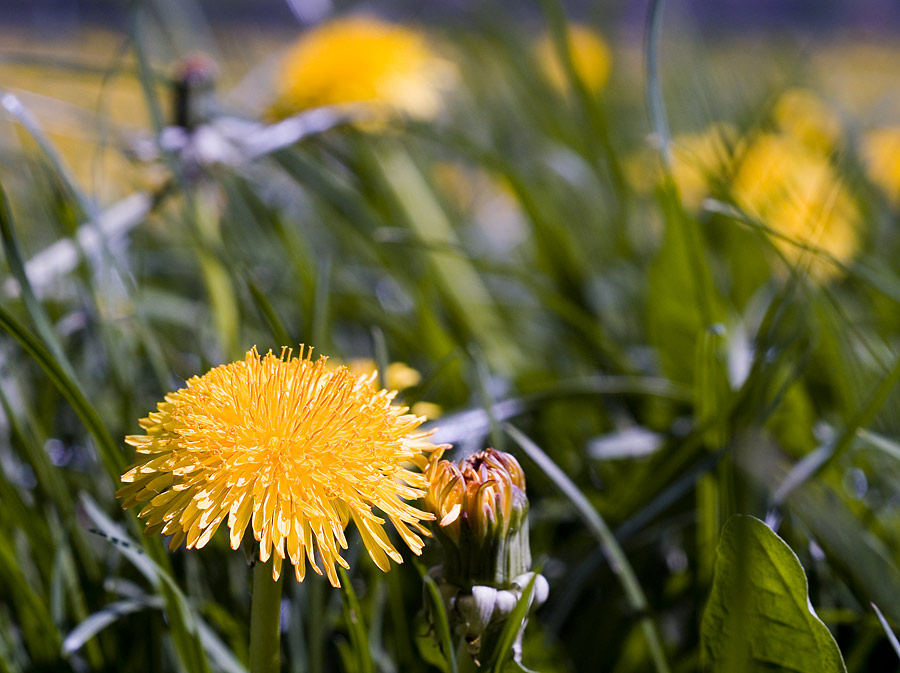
{"points": [[265, 621]]}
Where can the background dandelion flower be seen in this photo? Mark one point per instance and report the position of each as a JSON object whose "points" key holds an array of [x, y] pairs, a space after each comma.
{"points": [[798, 193], [294, 449], [804, 115], [590, 56], [701, 159], [361, 59], [881, 156]]}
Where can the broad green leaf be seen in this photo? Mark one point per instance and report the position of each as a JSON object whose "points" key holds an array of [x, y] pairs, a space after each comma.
{"points": [[759, 617]]}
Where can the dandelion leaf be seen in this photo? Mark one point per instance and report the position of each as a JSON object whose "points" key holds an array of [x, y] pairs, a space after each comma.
{"points": [[759, 617]]}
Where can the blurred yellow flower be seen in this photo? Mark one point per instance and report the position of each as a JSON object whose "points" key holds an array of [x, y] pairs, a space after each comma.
{"points": [[362, 60], [804, 115], [399, 376], [291, 447], [591, 58], [699, 159], [427, 409], [881, 156], [797, 192]]}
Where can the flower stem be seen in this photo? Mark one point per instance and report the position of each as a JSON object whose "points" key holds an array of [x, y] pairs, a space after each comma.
{"points": [[265, 621]]}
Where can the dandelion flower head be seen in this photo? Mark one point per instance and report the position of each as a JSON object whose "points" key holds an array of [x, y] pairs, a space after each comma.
{"points": [[591, 58], [699, 160], [802, 114], [363, 60], [799, 194], [881, 156], [290, 447]]}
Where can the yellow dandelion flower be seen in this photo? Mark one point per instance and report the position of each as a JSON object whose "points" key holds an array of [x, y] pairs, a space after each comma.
{"points": [[427, 409], [699, 159], [805, 116], [362, 60], [881, 156], [293, 448], [399, 375], [591, 58], [798, 193]]}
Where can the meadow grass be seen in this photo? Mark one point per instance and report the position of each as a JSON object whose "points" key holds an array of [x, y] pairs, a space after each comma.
{"points": [[657, 362]]}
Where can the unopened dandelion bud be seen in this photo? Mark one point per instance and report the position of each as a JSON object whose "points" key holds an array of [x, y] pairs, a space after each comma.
{"points": [[481, 522], [481, 511]]}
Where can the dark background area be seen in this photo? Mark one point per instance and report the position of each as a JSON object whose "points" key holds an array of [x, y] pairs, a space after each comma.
{"points": [[726, 16]]}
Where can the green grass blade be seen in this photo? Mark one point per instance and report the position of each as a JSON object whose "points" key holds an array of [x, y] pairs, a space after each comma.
{"points": [[503, 651], [154, 565], [17, 266], [618, 562], [110, 454], [441, 622], [359, 637], [889, 632], [655, 100]]}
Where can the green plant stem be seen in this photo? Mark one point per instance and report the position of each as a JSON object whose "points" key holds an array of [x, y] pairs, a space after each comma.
{"points": [[265, 621]]}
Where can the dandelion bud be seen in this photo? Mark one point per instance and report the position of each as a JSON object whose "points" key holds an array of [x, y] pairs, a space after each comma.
{"points": [[481, 513], [481, 509]]}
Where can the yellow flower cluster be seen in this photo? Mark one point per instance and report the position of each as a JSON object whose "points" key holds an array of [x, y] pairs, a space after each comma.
{"points": [[363, 60], [784, 178], [797, 192], [294, 449]]}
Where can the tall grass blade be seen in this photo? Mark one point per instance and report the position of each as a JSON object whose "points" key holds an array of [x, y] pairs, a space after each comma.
{"points": [[618, 562]]}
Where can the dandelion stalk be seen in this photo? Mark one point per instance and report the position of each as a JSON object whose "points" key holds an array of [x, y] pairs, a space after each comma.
{"points": [[265, 621]]}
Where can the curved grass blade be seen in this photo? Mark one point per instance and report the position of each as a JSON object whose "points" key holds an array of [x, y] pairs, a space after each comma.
{"points": [[858, 421], [11, 103], [110, 455], [618, 562], [39, 633], [887, 629], [90, 627], [268, 312], [655, 99], [153, 565], [17, 266], [359, 638], [510, 631], [441, 621], [477, 423]]}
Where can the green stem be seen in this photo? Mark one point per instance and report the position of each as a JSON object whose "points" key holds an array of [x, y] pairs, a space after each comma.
{"points": [[265, 621]]}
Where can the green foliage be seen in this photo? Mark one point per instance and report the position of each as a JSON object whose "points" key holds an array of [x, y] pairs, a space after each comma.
{"points": [[531, 257]]}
